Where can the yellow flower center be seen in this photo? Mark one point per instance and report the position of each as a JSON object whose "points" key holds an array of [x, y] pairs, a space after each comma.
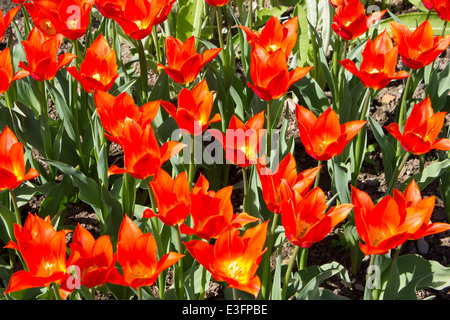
{"points": [[235, 270], [73, 25], [273, 47], [96, 77]]}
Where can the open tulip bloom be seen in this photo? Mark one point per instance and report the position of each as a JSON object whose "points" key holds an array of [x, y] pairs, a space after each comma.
{"points": [[6, 71]]}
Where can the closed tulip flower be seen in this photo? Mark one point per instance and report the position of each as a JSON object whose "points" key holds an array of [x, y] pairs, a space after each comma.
{"points": [[6, 71], [98, 71], [422, 128], [183, 62], [217, 3], [419, 48], [233, 258], [377, 68], [324, 137], [6, 20]]}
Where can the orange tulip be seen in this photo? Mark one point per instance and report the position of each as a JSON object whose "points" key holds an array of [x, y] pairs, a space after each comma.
{"points": [[422, 128], [304, 219], [43, 15], [324, 137], [275, 35], [286, 171], [377, 68], [98, 71], [269, 72], [413, 198], [242, 141], [6, 20], [212, 212], [194, 109], [137, 255], [110, 8], [94, 258], [184, 63], [115, 111], [142, 154], [337, 3], [6, 71], [163, 8], [440, 6], [233, 259], [41, 53], [386, 225], [172, 197], [350, 20], [43, 249], [12, 163], [217, 3], [419, 48]]}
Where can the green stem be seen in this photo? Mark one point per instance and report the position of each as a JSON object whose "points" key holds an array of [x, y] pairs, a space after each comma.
{"points": [[316, 181], [444, 28], [191, 162], [269, 131], [342, 78], [56, 291], [303, 259], [396, 173], [289, 271], [156, 43], [16, 207], [250, 14], [219, 26], [235, 294], [139, 291], [245, 182], [179, 269], [202, 289], [266, 281], [373, 293], [143, 70], [402, 111], [422, 162]]}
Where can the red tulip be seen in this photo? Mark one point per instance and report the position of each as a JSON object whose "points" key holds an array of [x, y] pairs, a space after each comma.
{"points": [[194, 109], [98, 71], [324, 137], [110, 8], [419, 48], [212, 212], [115, 111], [422, 128], [242, 141], [440, 6], [163, 8], [377, 68], [172, 197], [43, 14], [94, 258], [137, 255], [41, 53], [142, 154], [6, 20], [304, 219], [350, 20], [43, 249], [184, 63], [275, 35], [386, 225], [233, 259], [286, 171], [6, 71], [217, 3], [269, 72], [12, 163]]}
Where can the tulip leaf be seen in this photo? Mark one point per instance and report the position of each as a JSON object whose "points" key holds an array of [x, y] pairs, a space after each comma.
{"points": [[57, 197], [8, 219], [263, 15], [419, 4], [438, 88], [444, 186], [189, 20], [428, 175]]}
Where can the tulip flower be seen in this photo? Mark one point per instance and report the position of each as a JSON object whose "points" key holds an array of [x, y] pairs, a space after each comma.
{"points": [[440, 6], [233, 259], [217, 3], [194, 109], [269, 73], [275, 35], [41, 53], [94, 258], [422, 128], [6, 20], [212, 212], [12, 162], [183, 62], [110, 8], [242, 141], [413, 198], [337, 3], [115, 111], [386, 225], [137, 255], [286, 171], [324, 137], [44, 17], [142, 154], [98, 71], [419, 48], [172, 197], [377, 68], [6, 71], [304, 218], [43, 249], [163, 8], [350, 20]]}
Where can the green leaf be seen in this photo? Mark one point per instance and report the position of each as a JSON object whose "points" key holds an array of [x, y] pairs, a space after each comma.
{"points": [[189, 20], [428, 175], [412, 20], [419, 5], [263, 15]]}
